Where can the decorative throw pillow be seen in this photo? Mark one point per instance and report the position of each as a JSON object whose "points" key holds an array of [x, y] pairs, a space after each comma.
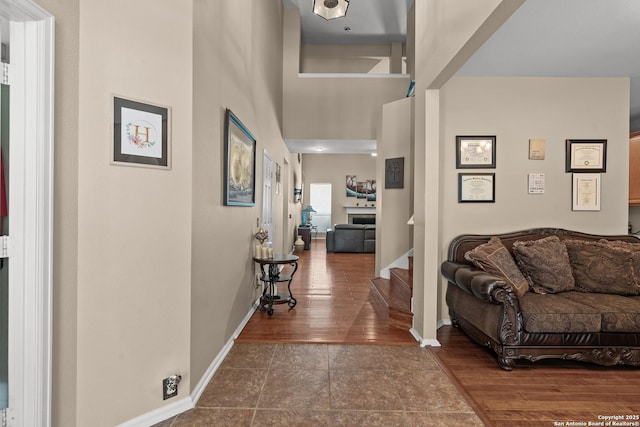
{"points": [[600, 267], [635, 257], [494, 258], [545, 264]]}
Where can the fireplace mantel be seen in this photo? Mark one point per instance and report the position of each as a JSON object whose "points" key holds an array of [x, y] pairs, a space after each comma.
{"points": [[359, 210]]}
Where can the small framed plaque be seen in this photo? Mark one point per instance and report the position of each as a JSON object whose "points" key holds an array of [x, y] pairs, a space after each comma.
{"points": [[473, 152], [476, 187], [537, 149], [586, 155], [394, 173], [536, 183]]}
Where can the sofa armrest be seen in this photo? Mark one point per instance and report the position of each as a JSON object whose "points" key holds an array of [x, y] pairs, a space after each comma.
{"points": [[474, 281], [330, 242], [489, 289]]}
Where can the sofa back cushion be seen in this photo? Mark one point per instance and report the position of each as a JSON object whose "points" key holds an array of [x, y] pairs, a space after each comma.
{"points": [[494, 258], [545, 264], [601, 267]]}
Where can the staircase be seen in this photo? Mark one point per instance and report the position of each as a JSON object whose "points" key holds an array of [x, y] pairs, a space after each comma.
{"points": [[392, 297]]}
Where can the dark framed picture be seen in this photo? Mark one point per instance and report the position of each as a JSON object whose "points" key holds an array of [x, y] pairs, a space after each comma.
{"points": [[394, 173], [475, 152], [586, 155], [141, 134], [476, 188], [239, 163]]}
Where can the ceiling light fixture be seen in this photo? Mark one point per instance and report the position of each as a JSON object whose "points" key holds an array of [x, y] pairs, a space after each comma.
{"points": [[330, 9]]}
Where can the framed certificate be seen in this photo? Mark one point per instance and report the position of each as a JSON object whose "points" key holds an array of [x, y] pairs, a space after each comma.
{"points": [[476, 187], [586, 155], [474, 152], [586, 192]]}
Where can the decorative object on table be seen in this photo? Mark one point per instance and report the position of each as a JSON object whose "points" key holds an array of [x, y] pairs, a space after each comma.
{"points": [[263, 250], [306, 215], [476, 187], [239, 163], [586, 192], [140, 134], [586, 155], [262, 235], [298, 244], [475, 152], [394, 173], [330, 9]]}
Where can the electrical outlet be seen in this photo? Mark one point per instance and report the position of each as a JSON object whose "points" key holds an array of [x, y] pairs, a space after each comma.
{"points": [[258, 281], [170, 386]]}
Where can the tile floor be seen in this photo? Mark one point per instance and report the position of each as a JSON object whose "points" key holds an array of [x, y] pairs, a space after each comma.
{"points": [[328, 385]]}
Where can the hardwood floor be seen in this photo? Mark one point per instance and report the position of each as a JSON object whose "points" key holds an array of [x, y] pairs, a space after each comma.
{"points": [[333, 308], [332, 293], [546, 393]]}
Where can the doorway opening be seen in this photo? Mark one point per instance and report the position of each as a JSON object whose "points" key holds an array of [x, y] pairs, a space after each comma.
{"points": [[320, 199]]}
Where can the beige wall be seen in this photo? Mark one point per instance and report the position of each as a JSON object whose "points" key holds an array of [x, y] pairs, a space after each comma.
{"points": [[240, 70], [395, 205], [519, 109], [134, 224], [351, 58], [333, 169], [446, 34], [143, 255], [341, 107]]}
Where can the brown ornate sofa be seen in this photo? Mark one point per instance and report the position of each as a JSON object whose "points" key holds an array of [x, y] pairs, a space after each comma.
{"points": [[586, 310]]}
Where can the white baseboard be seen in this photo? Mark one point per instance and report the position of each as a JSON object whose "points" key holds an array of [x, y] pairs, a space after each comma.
{"points": [[182, 405], [443, 322], [160, 414], [424, 342]]}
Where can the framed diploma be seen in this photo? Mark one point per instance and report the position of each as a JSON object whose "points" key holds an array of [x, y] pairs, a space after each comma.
{"points": [[474, 152], [586, 155], [586, 192], [476, 187]]}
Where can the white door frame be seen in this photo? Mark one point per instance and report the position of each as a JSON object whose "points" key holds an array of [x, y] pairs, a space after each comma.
{"points": [[267, 194], [31, 212]]}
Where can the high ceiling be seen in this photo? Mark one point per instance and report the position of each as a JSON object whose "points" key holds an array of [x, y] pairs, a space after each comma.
{"points": [[369, 21], [559, 38]]}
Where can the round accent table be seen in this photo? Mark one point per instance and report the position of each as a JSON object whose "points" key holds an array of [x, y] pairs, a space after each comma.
{"points": [[270, 275]]}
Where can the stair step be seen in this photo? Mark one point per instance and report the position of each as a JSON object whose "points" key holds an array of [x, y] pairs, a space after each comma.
{"points": [[401, 287], [381, 288], [375, 296], [402, 317]]}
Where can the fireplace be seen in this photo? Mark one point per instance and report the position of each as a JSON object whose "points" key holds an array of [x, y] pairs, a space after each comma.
{"points": [[362, 219], [360, 214]]}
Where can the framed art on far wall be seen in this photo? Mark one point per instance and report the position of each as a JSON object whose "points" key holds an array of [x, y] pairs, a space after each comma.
{"points": [[476, 188], [475, 152], [140, 134], [586, 192], [239, 163], [586, 155]]}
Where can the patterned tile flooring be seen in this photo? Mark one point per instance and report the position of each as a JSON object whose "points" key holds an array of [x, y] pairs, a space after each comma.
{"points": [[261, 384]]}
